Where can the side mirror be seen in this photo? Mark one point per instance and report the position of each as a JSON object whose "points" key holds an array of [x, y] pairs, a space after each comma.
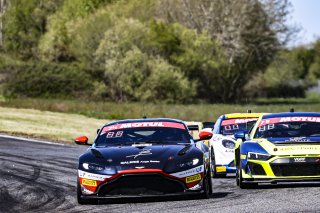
{"points": [[82, 140], [205, 135], [240, 135]]}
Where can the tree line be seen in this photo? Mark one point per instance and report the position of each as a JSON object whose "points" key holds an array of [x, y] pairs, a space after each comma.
{"points": [[174, 51]]}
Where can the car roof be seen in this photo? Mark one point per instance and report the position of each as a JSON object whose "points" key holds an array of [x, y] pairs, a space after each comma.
{"points": [[243, 115], [291, 114], [145, 120]]}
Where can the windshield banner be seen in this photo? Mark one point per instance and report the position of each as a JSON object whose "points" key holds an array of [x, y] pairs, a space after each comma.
{"points": [[237, 121], [143, 125], [289, 119]]}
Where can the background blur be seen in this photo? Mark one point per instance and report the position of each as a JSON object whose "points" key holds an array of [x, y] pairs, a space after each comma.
{"points": [[248, 52]]}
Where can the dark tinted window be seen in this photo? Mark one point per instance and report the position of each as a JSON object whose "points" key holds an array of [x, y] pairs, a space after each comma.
{"points": [[289, 127], [129, 136]]}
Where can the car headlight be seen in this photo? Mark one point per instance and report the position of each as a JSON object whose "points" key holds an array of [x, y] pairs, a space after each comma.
{"points": [[89, 166], [229, 144], [192, 162], [258, 156]]}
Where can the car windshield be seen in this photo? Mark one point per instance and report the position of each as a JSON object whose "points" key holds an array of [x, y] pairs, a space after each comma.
{"points": [[288, 127], [132, 133], [231, 126]]}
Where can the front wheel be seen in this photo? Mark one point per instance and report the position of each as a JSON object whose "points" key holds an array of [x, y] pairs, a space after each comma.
{"points": [[207, 187], [213, 167], [240, 182]]}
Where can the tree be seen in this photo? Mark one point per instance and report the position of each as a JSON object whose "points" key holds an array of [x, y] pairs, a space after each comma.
{"points": [[24, 23], [4, 4], [250, 31]]}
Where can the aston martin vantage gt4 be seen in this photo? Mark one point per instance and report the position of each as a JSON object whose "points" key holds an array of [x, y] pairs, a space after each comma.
{"points": [[143, 157]]}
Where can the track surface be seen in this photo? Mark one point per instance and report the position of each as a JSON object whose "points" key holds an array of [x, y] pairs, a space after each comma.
{"points": [[36, 177]]}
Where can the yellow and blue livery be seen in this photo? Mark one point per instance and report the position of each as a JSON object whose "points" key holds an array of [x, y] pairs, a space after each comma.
{"points": [[281, 147]]}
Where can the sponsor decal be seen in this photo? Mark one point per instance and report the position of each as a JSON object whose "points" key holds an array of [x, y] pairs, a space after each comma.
{"points": [[142, 125], [87, 182], [193, 178], [139, 162], [221, 169], [289, 119], [298, 139], [141, 153], [189, 172], [87, 175], [311, 148], [299, 160], [237, 121]]}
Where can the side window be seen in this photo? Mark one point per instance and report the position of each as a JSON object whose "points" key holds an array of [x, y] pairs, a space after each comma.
{"points": [[216, 128]]}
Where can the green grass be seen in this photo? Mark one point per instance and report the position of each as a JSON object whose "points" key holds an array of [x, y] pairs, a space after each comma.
{"points": [[63, 120], [193, 112], [54, 126]]}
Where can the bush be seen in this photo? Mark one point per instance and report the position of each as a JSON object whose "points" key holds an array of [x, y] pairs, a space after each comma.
{"points": [[47, 80]]}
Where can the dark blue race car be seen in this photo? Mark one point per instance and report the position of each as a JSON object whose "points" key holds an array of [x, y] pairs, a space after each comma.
{"points": [[143, 157]]}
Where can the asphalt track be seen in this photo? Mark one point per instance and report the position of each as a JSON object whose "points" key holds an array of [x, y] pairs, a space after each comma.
{"points": [[41, 177]]}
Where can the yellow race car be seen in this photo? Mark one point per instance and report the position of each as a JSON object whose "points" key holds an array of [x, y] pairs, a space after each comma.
{"points": [[281, 147]]}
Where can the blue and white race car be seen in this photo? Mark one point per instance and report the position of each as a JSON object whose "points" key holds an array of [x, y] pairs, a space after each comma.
{"points": [[222, 143]]}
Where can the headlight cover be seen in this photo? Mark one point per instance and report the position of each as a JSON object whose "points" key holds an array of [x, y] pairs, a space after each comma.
{"points": [[89, 166], [192, 162], [228, 144], [258, 156]]}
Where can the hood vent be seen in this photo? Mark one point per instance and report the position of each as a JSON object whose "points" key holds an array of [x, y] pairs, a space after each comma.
{"points": [[184, 150], [96, 153]]}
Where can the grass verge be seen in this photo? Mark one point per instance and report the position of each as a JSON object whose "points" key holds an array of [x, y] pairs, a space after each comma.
{"points": [[192, 112], [61, 127]]}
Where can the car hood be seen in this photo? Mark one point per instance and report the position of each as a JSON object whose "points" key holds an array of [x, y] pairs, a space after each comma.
{"points": [[164, 157], [291, 146]]}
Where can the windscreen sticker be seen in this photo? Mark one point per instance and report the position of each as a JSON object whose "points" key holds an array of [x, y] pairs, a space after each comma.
{"points": [[289, 119], [237, 121], [142, 125], [117, 134], [231, 127], [266, 127]]}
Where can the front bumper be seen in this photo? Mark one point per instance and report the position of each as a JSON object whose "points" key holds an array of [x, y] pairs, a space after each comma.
{"points": [[186, 193], [144, 183], [226, 169], [302, 168]]}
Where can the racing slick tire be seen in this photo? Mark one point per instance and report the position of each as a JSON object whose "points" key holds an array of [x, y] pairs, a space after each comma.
{"points": [[240, 182], [213, 167], [80, 199], [207, 184]]}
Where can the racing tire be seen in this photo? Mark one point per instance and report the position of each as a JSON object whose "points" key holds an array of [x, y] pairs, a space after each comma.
{"points": [[237, 176], [206, 187], [213, 167], [243, 185], [80, 200]]}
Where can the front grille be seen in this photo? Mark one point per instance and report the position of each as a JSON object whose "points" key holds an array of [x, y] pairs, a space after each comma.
{"points": [[296, 169], [141, 184], [256, 169]]}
